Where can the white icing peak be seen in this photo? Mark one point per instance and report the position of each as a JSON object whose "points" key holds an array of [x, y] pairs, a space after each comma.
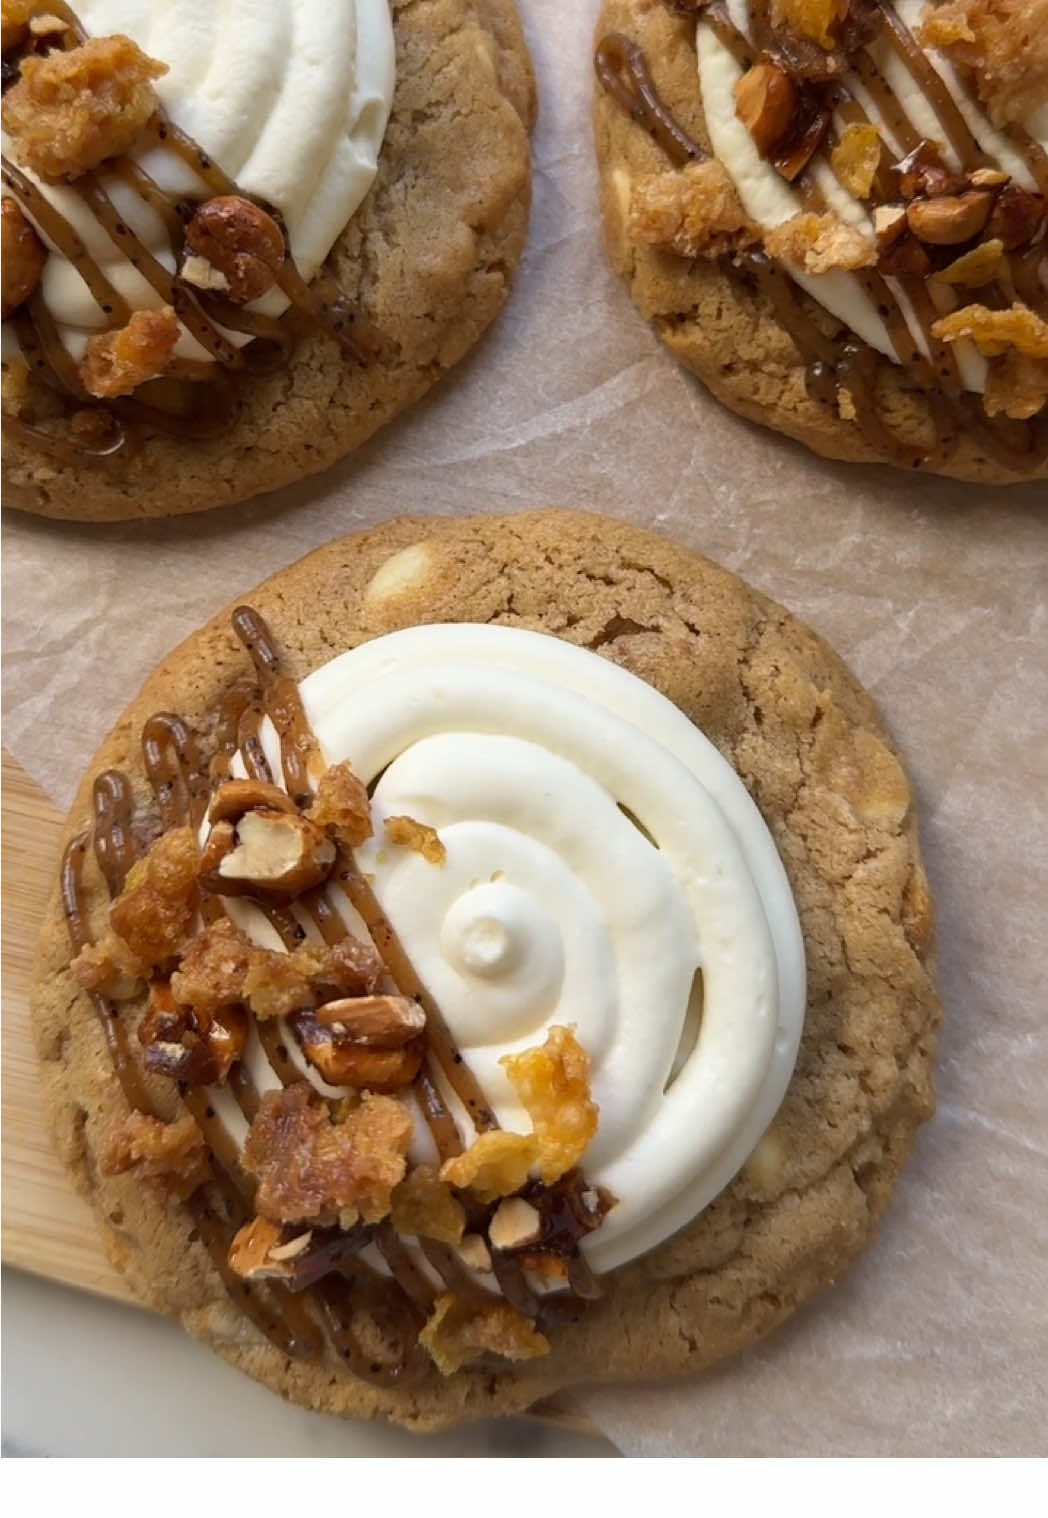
{"points": [[290, 100], [600, 852], [770, 200]]}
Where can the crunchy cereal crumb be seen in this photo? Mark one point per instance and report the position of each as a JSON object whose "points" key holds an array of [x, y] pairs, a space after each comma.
{"points": [[694, 212], [171, 1155], [342, 806], [15, 385], [47, 26], [109, 967], [552, 1082], [1002, 42], [259, 1252], [496, 1164], [204, 276], [276, 983], [818, 243], [154, 912], [425, 1205], [71, 110], [310, 1167], [815, 19], [116, 363], [855, 158], [406, 833], [994, 332], [1016, 386], [212, 970], [459, 1332]]}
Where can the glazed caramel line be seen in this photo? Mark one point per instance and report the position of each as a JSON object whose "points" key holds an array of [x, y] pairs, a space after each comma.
{"points": [[623, 71], [66, 240], [932, 87]]}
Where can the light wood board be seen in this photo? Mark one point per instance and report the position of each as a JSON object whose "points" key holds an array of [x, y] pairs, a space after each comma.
{"points": [[47, 1228]]}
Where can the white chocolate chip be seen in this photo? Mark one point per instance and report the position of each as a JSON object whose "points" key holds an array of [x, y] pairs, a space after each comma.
{"points": [[399, 575]]}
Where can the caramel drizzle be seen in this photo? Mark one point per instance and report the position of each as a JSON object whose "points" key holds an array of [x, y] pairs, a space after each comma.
{"points": [[844, 361], [182, 787], [193, 415]]}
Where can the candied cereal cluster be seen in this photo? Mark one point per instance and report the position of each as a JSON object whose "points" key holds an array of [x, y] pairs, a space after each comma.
{"points": [[694, 212], [172, 1156], [1003, 43], [115, 363], [818, 243]]}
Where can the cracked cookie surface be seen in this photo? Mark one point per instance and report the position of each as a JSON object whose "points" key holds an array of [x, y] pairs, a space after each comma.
{"points": [[814, 753], [427, 260]]}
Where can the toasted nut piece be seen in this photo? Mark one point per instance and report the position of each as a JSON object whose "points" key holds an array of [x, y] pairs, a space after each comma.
{"points": [[294, 1247], [950, 219], [235, 797], [904, 256], [253, 1252], [889, 223], [220, 841], [1017, 214], [240, 240], [382, 1022], [277, 855], [24, 256], [765, 101], [117, 362], [515, 1225], [923, 172], [346, 1064], [474, 1253], [204, 276], [989, 179]]}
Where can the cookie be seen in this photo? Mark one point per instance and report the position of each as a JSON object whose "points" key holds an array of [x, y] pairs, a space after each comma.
{"points": [[309, 273], [614, 765], [834, 217]]}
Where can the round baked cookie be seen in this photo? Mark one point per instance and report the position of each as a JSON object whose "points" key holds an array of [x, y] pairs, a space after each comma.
{"points": [[423, 265], [811, 750], [805, 299]]}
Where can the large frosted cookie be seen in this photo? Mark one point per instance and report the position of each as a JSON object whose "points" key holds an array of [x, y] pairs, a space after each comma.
{"points": [[594, 868], [260, 233], [833, 212]]}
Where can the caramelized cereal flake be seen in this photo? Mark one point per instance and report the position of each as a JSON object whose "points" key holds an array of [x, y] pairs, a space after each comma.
{"points": [[341, 806], [818, 243], [154, 912], [406, 833], [856, 156], [496, 1164], [310, 1167], [171, 1155], [694, 211], [109, 968], [71, 110], [24, 256], [116, 363], [1016, 386], [1003, 43], [552, 1082], [459, 1332], [423, 1204], [994, 332], [212, 970], [815, 19]]}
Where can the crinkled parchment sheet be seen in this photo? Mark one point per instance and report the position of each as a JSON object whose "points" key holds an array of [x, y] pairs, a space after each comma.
{"points": [[934, 592]]}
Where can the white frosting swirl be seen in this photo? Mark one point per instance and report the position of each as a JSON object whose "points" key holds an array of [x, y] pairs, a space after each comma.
{"points": [[291, 101], [600, 852]]}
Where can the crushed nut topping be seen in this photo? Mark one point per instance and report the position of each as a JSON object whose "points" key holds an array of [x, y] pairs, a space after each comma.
{"points": [[406, 833], [459, 1332], [818, 243], [855, 158], [196, 1048], [994, 332], [235, 797], [342, 807], [154, 912], [275, 854], [310, 1166], [342, 1062], [552, 1082], [766, 100], [947, 220], [1002, 42], [259, 1251], [196, 271], [72, 109], [694, 212], [382, 1022], [116, 363], [239, 240], [514, 1225], [495, 1165], [426, 1206], [1016, 386], [276, 984], [24, 256], [211, 972], [172, 1155]]}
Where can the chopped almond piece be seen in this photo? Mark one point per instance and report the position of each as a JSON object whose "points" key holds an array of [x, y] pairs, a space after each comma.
{"points": [[341, 805], [425, 1205], [344, 1063], [1017, 386], [310, 1167], [1002, 42], [855, 158], [496, 1164], [172, 1155], [258, 1251], [196, 1048], [818, 243], [552, 1082], [154, 912], [994, 332], [72, 109], [406, 833], [694, 212], [459, 1332], [116, 363]]}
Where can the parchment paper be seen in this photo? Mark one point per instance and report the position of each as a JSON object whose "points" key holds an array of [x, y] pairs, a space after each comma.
{"points": [[936, 594]]}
